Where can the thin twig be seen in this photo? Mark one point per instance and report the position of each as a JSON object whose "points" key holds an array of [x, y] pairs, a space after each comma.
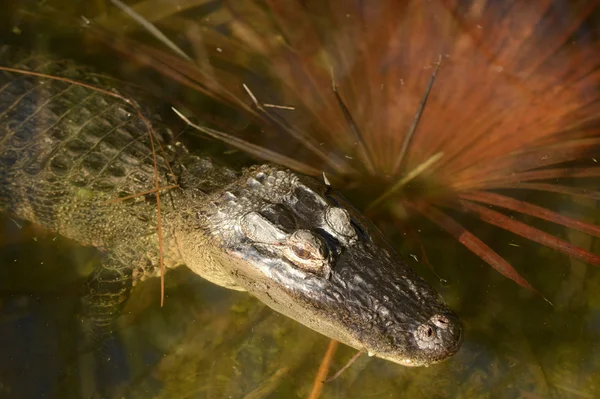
{"points": [[251, 148], [413, 174], [116, 200], [411, 131], [303, 138], [153, 30], [158, 224], [269, 385], [315, 393], [348, 364], [286, 107], [358, 136], [151, 132]]}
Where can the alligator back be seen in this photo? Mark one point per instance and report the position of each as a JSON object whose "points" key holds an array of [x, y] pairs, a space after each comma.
{"points": [[67, 149]]}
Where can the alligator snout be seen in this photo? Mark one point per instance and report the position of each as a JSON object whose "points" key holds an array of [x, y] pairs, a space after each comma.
{"points": [[439, 337]]}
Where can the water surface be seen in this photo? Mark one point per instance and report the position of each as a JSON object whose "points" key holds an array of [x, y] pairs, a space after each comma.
{"points": [[207, 342]]}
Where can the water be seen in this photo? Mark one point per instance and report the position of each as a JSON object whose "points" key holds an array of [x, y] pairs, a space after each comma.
{"points": [[207, 342]]}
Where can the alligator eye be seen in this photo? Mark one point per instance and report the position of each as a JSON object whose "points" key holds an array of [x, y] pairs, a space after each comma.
{"points": [[301, 252], [307, 251]]}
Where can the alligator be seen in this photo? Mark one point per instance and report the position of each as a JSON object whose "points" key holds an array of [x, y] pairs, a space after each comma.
{"points": [[79, 161]]}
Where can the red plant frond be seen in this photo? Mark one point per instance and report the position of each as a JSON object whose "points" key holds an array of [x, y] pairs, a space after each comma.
{"points": [[554, 188], [472, 243], [514, 104], [531, 233], [513, 204], [532, 158]]}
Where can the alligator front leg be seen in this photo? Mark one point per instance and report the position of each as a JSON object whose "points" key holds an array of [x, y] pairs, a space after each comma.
{"points": [[107, 289], [106, 292]]}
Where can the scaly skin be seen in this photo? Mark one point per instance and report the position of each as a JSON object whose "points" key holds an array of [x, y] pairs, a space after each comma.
{"points": [[66, 150]]}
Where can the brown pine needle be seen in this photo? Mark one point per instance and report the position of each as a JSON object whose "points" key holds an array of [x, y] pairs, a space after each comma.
{"points": [[116, 200], [171, 66], [250, 148], [286, 107], [158, 224], [153, 30], [363, 152], [473, 244], [348, 364], [162, 150], [413, 127], [317, 388], [299, 135]]}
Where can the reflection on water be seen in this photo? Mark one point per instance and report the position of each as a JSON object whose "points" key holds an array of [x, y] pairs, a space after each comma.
{"points": [[207, 342]]}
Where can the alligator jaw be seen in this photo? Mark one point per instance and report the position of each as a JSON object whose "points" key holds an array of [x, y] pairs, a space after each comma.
{"points": [[306, 253]]}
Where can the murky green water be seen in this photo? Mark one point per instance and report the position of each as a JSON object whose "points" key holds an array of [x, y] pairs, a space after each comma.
{"points": [[207, 342]]}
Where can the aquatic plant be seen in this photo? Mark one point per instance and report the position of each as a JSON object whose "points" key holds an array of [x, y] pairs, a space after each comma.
{"points": [[436, 108]]}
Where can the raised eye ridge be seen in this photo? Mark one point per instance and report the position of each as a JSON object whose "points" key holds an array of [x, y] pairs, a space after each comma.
{"points": [[339, 220]]}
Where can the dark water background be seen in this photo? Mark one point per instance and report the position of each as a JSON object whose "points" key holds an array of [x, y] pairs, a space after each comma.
{"points": [[207, 342]]}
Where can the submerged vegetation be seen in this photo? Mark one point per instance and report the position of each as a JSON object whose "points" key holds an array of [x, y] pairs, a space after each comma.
{"points": [[436, 108], [442, 115]]}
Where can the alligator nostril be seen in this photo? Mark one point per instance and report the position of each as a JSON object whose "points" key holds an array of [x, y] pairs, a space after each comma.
{"points": [[425, 333], [440, 321]]}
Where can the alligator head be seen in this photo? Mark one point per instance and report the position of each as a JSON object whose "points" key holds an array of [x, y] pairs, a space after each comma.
{"points": [[305, 252]]}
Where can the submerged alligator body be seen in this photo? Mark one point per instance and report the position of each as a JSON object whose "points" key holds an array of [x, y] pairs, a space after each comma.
{"points": [[66, 151]]}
